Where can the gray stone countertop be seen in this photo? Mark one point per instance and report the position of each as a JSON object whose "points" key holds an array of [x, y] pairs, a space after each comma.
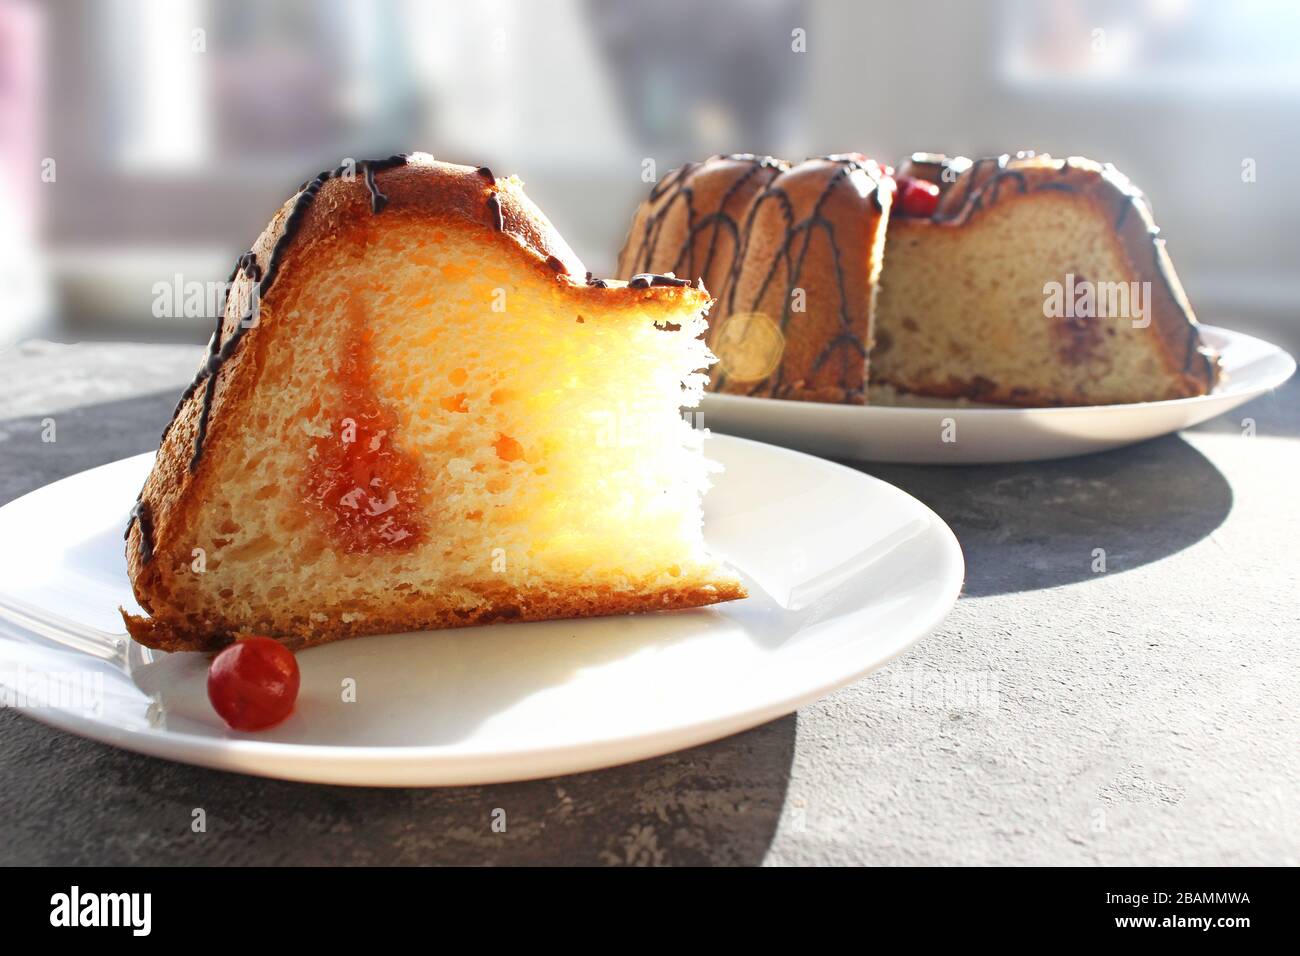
{"points": [[1145, 715]]}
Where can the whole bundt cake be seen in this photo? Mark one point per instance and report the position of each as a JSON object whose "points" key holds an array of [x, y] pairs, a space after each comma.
{"points": [[419, 411], [1019, 280]]}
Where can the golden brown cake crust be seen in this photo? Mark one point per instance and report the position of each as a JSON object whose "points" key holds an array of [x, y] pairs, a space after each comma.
{"points": [[435, 194], [504, 607], [971, 188]]}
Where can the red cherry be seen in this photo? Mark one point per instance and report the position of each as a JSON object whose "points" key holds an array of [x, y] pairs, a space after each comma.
{"points": [[253, 683], [916, 197]]}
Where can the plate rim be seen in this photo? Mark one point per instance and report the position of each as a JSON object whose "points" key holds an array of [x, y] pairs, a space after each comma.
{"points": [[902, 411], [330, 763]]}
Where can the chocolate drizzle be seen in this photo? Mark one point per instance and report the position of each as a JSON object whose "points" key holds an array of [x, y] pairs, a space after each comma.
{"points": [[973, 181], [494, 208], [377, 199], [846, 165], [675, 178], [678, 188], [994, 187], [220, 349], [982, 183], [645, 251], [1124, 207], [143, 514], [646, 280]]}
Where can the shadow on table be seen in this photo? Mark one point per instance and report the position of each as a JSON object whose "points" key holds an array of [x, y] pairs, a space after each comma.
{"points": [[719, 803], [1039, 524]]}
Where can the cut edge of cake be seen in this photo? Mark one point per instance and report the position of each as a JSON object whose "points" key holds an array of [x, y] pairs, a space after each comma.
{"points": [[1169, 359]]}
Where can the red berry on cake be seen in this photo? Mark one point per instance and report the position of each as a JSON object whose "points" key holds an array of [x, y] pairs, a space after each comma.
{"points": [[916, 197]]}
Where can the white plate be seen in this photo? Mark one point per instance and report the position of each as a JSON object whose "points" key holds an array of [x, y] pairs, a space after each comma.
{"points": [[971, 435], [844, 572]]}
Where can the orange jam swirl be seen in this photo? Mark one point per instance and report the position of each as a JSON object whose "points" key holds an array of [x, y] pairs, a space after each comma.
{"points": [[364, 487]]}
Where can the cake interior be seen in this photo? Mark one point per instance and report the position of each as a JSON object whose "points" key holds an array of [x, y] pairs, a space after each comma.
{"points": [[448, 428], [960, 310]]}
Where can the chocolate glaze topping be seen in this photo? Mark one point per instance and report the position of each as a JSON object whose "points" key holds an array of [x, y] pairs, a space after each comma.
{"points": [[678, 184], [645, 280], [994, 187], [144, 515], [220, 350], [494, 207], [846, 165], [377, 199], [678, 187], [674, 178]]}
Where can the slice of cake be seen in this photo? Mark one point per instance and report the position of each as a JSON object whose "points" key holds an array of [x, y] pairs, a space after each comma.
{"points": [[1035, 281], [1016, 280], [418, 411]]}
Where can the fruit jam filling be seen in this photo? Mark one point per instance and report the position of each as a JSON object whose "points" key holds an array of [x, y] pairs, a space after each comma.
{"points": [[359, 481]]}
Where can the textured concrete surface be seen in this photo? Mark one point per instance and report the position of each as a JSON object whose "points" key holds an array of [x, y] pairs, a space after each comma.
{"points": [[1146, 714]]}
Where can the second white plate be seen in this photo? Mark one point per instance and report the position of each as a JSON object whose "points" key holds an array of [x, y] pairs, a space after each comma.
{"points": [[980, 435], [844, 571]]}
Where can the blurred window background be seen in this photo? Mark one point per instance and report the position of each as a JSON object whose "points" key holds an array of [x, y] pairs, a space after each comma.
{"points": [[141, 140]]}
